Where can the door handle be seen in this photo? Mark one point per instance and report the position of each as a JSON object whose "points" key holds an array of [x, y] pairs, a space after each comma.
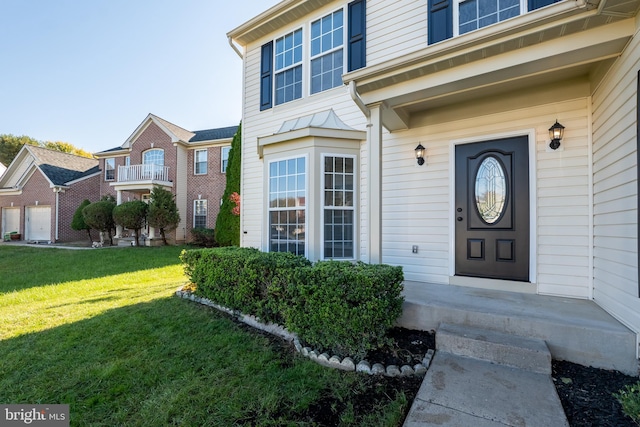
{"points": [[459, 218]]}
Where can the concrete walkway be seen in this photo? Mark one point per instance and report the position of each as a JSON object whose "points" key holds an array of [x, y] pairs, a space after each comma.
{"points": [[462, 391]]}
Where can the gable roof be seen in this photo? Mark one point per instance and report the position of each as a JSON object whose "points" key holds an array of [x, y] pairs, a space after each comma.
{"points": [[60, 168], [212, 134], [175, 132]]}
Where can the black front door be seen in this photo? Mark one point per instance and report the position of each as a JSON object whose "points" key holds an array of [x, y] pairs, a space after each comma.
{"points": [[492, 209]]}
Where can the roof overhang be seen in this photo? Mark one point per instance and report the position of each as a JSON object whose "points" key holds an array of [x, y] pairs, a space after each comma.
{"points": [[274, 19], [563, 41]]}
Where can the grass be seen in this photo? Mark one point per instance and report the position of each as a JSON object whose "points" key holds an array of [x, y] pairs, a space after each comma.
{"points": [[100, 330]]}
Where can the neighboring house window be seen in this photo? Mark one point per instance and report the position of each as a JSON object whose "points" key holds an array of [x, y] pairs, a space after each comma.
{"points": [[281, 61], [109, 169], [200, 162], [153, 157], [338, 211], [127, 161], [327, 38], [448, 18], [199, 214], [287, 205], [224, 158], [288, 78]]}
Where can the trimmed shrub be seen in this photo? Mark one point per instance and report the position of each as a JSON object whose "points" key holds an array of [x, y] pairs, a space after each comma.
{"points": [[343, 307], [243, 279], [78, 223], [205, 237], [335, 306], [131, 215]]}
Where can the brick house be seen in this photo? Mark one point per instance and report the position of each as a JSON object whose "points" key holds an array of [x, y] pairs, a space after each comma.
{"points": [[41, 190], [190, 164]]}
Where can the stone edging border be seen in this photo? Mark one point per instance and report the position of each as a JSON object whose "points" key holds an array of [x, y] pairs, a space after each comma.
{"points": [[346, 364]]}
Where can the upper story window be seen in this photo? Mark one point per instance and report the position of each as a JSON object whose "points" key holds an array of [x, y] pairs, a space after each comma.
{"points": [[154, 156], [449, 18], [200, 162], [224, 158], [327, 59], [281, 67], [109, 169], [288, 68]]}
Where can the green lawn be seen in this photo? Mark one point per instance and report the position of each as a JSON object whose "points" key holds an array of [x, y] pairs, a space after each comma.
{"points": [[100, 330]]}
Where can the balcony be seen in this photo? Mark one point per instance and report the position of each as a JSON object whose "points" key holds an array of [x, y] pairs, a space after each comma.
{"points": [[138, 173]]}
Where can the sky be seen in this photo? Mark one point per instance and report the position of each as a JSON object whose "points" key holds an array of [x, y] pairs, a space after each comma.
{"points": [[88, 72]]}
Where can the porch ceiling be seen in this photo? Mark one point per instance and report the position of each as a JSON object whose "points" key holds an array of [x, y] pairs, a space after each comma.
{"points": [[457, 71]]}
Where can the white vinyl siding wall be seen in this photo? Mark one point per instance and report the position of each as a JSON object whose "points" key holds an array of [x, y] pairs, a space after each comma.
{"points": [[416, 207], [258, 123], [395, 29], [615, 190]]}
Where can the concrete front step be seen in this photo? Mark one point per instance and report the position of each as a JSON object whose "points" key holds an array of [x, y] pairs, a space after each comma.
{"points": [[460, 391], [578, 331], [495, 347]]}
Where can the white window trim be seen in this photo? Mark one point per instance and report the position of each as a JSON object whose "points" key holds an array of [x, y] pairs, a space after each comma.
{"points": [[106, 169], [195, 161], [268, 210], [352, 208], [284, 69], [195, 202], [144, 153], [456, 16], [222, 150]]}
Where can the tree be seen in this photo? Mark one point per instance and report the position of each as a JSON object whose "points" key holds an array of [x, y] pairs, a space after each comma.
{"points": [[131, 215], [228, 221], [10, 145], [163, 211], [78, 222], [99, 216]]}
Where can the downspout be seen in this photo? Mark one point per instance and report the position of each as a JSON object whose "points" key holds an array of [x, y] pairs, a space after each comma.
{"points": [[359, 102], [234, 47], [57, 191]]}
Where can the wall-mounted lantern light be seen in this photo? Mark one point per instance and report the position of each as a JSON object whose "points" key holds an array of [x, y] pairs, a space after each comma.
{"points": [[420, 154], [556, 132]]}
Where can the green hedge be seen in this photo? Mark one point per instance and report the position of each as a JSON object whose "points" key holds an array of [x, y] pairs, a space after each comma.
{"points": [[343, 307], [243, 279], [334, 306]]}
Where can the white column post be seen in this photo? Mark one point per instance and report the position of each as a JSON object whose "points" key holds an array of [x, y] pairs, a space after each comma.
{"points": [[119, 229], [374, 181]]}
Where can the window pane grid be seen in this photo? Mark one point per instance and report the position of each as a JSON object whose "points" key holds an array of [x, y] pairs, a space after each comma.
{"points": [[199, 214], [288, 59], [338, 207], [200, 162], [327, 59], [474, 14], [287, 206]]}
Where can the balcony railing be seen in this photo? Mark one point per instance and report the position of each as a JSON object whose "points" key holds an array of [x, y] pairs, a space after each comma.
{"points": [[143, 173]]}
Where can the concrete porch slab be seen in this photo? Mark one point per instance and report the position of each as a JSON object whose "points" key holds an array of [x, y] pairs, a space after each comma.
{"points": [[575, 330]]}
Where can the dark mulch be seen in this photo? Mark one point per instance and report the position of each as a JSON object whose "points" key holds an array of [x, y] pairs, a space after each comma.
{"points": [[586, 393]]}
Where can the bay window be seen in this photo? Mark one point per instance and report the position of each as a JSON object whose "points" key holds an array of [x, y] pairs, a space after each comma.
{"points": [[287, 205]]}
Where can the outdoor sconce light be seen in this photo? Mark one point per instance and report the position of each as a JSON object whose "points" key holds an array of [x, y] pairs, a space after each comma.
{"points": [[420, 154], [556, 132]]}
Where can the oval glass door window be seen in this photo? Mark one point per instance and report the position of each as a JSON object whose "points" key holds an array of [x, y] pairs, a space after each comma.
{"points": [[491, 190]]}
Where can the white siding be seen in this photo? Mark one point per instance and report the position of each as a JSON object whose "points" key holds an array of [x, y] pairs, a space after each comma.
{"points": [[416, 207], [615, 190], [395, 28], [258, 123]]}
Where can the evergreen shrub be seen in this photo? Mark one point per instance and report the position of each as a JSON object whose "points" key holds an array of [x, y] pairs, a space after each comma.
{"points": [[336, 306]]}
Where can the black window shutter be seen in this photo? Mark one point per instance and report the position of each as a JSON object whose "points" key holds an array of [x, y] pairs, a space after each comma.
{"points": [[537, 4], [357, 49], [266, 76], [441, 20]]}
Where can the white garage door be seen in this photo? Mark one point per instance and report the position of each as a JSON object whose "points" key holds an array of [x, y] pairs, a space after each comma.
{"points": [[10, 220], [38, 223]]}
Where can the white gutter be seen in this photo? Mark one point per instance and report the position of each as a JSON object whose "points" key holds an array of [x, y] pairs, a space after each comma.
{"points": [[234, 47], [356, 98]]}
